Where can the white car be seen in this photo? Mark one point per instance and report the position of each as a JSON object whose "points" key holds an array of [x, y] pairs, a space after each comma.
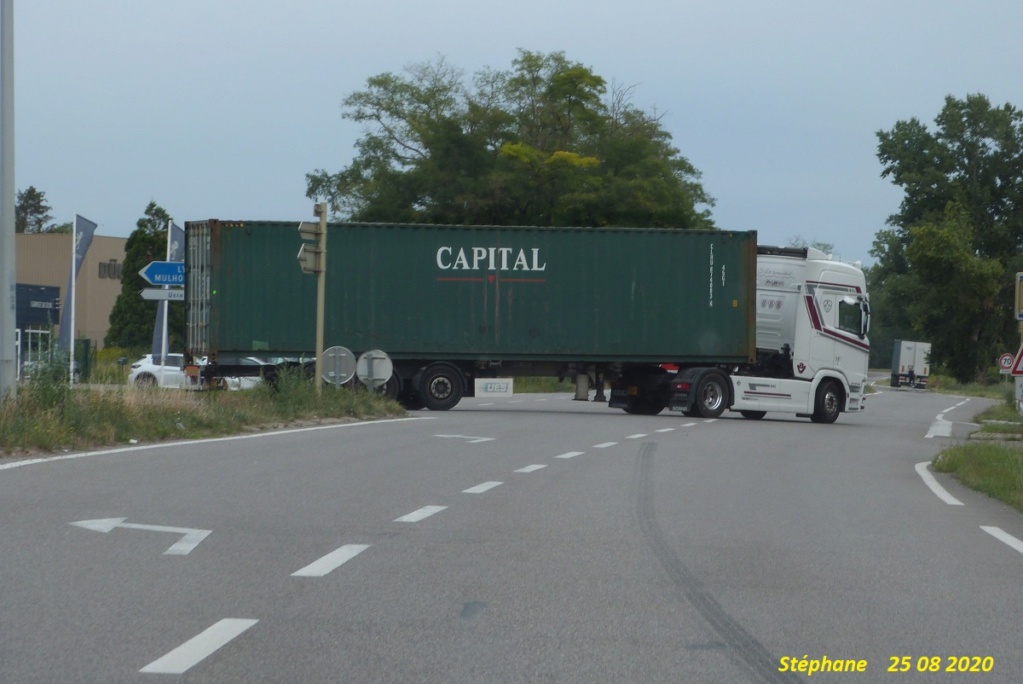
{"points": [[147, 372]]}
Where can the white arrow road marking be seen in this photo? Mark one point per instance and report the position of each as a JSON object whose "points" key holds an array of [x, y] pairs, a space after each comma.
{"points": [[939, 491], [332, 561], [199, 647], [1004, 537], [472, 440], [482, 487], [188, 542], [424, 512]]}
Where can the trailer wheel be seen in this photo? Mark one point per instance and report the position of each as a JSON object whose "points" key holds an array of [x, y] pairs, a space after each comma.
{"points": [[440, 387], [646, 406], [411, 401], [753, 415], [711, 395], [828, 402], [392, 388]]}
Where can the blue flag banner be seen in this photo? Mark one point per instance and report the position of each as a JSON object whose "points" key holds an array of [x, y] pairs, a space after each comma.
{"points": [[84, 229], [175, 252]]}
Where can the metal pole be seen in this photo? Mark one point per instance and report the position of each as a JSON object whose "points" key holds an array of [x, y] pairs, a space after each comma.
{"points": [[321, 291], [8, 272]]}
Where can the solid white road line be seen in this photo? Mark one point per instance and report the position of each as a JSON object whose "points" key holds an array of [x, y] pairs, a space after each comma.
{"points": [[604, 445], [482, 487], [939, 491], [570, 454], [332, 561], [199, 647], [1004, 537], [424, 512], [530, 468]]}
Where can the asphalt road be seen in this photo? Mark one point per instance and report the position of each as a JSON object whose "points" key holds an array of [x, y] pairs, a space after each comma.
{"points": [[533, 539]]}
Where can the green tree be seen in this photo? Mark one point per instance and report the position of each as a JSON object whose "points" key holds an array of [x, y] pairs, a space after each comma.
{"points": [[541, 144], [963, 187], [132, 319], [31, 212]]}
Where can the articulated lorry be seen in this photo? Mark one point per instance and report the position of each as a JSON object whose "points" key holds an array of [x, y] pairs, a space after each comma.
{"points": [[693, 321], [911, 363]]}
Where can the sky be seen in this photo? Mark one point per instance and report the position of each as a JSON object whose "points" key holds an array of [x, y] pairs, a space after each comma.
{"points": [[219, 108]]}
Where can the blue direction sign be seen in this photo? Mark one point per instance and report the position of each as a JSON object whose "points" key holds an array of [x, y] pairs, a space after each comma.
{"points": [[164, 273]]}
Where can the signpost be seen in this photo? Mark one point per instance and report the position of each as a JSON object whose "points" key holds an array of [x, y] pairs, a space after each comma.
{"points": [[154, 294], [164, 273], [1005, 363]]}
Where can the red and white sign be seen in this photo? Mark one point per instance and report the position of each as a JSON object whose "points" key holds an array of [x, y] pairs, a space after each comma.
{"points": [[1017, 363], [1005, 363]]}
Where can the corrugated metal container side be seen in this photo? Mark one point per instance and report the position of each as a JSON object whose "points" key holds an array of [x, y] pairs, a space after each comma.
{"points": [[476, 292]]}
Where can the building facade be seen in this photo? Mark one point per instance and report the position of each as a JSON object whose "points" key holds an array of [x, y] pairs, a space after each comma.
{"points": [[44, 259]]}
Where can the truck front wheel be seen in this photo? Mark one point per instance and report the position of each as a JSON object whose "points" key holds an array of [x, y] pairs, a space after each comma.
{"points": [[440, 387], [827, 403], [711, 395]]}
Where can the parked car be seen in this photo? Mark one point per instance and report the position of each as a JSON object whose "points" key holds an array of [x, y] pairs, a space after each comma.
{"points": [[149, 372]]}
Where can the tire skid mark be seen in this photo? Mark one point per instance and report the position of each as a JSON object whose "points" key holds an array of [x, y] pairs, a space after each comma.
{"points": [[742, 646]]}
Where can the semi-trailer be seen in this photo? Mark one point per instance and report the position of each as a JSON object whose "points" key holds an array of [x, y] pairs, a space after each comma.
{"points": [[911, 363], [697, 321]]}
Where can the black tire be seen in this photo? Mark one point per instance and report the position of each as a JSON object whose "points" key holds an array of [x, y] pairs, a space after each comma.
{"points": [[411, 401], [711, 395], [145, 380], [646, 407], [753, 415], [440, 387], [827, 403], [392, 388]]}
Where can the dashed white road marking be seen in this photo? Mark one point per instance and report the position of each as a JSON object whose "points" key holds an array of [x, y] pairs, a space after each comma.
{"points": [[604, 445], [637, 436], [530, 468], [570, 454], [332, 561], [665, 430], [939, 491], [489, 403], [1004, 537], [424, 512], [482, 487], [199, 647], [689, 425]]}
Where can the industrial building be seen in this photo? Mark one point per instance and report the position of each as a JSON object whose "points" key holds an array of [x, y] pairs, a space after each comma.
{"points": [[43, 261]]}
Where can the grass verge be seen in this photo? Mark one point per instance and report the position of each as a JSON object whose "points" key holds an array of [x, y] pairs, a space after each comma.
{"points": [[994, 469], [992, 460], [50, 416]]}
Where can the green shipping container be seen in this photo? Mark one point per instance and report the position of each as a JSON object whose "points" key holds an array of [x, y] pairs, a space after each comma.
{"points": [[481, 293]]}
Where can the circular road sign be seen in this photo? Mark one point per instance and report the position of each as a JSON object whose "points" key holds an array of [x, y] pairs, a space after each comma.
{"points": [[1005, 361], [374, 368], [338, 366]]}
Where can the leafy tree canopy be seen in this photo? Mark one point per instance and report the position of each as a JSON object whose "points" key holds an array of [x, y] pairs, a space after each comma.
{"points": [[544, 143], [31, 212], [945, 269], [132, 319]]}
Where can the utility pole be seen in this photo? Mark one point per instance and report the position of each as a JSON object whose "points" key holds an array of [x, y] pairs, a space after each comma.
{"points": [[313, 259], [8, 272]]}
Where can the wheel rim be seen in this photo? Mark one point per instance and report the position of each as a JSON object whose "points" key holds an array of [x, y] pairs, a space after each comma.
{"points": [[712, 396], [440, 388], [830, 401]]}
